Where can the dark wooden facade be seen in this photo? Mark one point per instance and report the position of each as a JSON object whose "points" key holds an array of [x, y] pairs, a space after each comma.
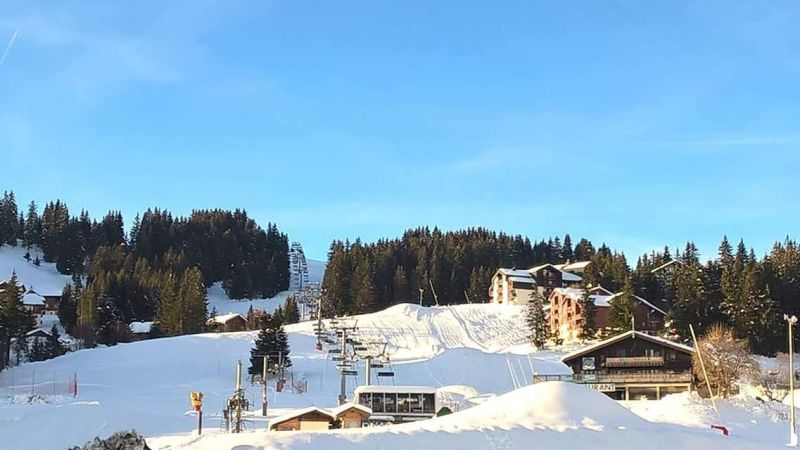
{"points": [[633, 366]]}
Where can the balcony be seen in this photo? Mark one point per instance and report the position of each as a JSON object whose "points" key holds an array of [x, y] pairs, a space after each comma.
{"points": [[635, 361], [633, 378]]}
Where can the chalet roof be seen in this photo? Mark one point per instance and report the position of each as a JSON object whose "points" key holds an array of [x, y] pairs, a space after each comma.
{"points": [[566, 276], [32, 298], [37, 331], [654, 307], [528, 280], [632, 334], [578, 265], [665, 265], [300, 412], [602, 300], [514, 272], [225, 318], [339, 410]]}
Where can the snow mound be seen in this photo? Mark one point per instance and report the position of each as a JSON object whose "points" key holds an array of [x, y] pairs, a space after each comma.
{"points": [[548, 415]]}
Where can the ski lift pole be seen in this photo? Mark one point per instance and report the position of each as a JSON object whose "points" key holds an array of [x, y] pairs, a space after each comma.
{"points": [[264, 381], [792, 414], [708, 384]]}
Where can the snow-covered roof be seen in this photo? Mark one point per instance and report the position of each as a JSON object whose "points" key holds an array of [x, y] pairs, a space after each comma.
{"points": [[665, 265], [569, 276], [566, 276], [300, 412], [396, 389], [514, 272], [656, 308], [32, 298], [528, 280], [632, 334], [225, 318], [347, 406], [578, 265], [36, 331], [140, 327], [601, 300]]}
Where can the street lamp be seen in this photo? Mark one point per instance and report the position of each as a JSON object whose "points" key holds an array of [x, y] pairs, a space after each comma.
{"points": [[792, 320]]}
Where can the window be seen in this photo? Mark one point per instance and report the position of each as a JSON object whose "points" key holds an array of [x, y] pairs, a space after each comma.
{"points": [[390, 403], [587, 363], [428, 403], [377, 403]]}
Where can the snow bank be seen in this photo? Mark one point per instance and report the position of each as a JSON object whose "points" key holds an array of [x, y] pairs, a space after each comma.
{"points": [[547, 415]]}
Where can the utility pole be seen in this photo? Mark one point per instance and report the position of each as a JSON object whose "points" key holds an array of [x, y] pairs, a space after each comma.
{"points": [[343, 382], [264, 395], [435, 297], [792, 415], [368, 370]]}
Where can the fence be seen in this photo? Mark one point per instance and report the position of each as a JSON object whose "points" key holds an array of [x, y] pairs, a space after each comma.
{"points": [[42, 385]]}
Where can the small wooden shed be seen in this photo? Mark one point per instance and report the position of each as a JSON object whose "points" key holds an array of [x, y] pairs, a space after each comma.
{"points": [[351, 415], [311, 418], [228, 322]]}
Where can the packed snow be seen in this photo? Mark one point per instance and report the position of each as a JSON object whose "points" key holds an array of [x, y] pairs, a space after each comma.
{"points": [[549, 415], [44, 279]]}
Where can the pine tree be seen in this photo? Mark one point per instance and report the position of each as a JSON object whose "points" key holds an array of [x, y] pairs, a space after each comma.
{"points": [[291, 311], [32, 234], [193, 302], [265, 345], [588, 314], [53, 346], [621, 312], [9, 220], [15, 320], [169, 310], [67, 308], [537, 320]]}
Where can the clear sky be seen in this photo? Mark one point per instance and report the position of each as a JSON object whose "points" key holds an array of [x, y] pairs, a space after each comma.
{"points": [[637, 123]]}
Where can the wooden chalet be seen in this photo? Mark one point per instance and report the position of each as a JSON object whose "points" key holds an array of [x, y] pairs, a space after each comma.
{"points": [[633, 366], [566, 318], [311, 418], [349, 415], [227, 323]]}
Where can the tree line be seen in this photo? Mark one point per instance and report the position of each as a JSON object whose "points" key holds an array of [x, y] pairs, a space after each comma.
{"points": [[159, 271], [734, 287], [226, 246]]}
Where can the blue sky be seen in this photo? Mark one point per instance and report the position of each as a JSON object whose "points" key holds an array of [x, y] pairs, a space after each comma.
{"points": [[635, 123]]}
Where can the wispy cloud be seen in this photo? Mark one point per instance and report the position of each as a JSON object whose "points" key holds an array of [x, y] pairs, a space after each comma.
{"points": [[735, 141], [8, 47]]}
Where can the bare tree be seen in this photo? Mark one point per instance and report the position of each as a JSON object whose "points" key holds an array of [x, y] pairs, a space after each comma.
{"points": [[773, 382], [727, 360]]}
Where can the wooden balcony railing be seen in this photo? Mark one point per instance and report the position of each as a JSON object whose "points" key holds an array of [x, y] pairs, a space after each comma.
{"points": [[633, 378], [635, 361]]}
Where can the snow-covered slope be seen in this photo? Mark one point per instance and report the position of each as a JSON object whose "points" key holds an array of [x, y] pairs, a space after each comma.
{"points": [[218, 299], [145, 385], [44, 279], [551, 415]]}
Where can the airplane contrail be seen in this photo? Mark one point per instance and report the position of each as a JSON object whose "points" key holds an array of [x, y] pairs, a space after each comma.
{"points": [[8, 47]]}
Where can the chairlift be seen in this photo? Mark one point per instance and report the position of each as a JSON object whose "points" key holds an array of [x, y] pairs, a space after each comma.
{"points": [[349, 372], [334, 350], [385, 374], [360, 348], [337, 358], [376, 366]]}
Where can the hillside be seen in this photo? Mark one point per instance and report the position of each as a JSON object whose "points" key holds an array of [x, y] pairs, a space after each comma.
{"points": [[145, 385], [45, 279]]}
